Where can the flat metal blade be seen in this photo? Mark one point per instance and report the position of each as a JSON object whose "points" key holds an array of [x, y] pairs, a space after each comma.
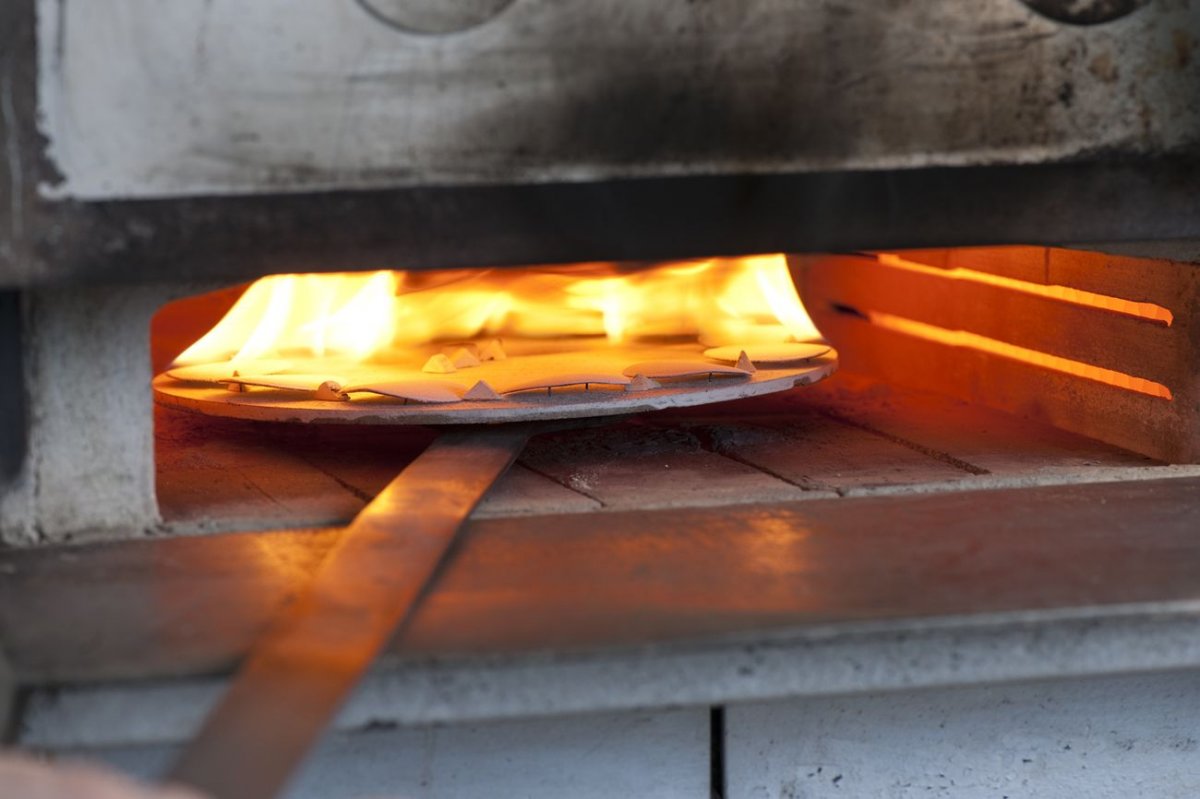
{"points": [[299, 673]]}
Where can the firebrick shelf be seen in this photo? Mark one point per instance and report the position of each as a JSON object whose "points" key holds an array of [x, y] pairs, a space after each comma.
{"points": [[847, 437]]}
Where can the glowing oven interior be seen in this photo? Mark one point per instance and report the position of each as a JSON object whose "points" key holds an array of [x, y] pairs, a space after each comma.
{"points": [[1086, 344]]}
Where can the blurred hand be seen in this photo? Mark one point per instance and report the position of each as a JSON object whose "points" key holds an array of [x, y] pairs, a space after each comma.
{"points": [[26, 777]]}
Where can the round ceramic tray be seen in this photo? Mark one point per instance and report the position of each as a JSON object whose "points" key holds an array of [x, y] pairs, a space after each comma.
{"points": [[263, 403]]}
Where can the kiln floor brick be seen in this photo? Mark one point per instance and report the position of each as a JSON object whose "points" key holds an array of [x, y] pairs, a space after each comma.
{"points": [[846, 436]]}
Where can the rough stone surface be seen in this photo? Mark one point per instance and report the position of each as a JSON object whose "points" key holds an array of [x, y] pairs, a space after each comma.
{"points": [[1111, 737], [16, 509], [662, 754], [755, 667], [89, 467], [553, 90]]}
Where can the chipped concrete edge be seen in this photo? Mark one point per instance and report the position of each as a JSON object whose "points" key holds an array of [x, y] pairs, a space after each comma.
{"points": [[818, 660], [89, 465]]}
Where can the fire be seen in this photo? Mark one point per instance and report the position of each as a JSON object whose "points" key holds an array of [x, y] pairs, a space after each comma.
{"points": [[374, 316]]}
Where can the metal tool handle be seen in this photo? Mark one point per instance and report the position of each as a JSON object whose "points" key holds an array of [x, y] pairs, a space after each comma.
{"points": [[298, 674]]}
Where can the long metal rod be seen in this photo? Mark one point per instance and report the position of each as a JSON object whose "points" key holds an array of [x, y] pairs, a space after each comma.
{"points": [[302, 669]]}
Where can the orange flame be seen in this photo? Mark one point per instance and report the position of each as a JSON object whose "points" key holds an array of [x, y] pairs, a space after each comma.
{"points": [[367, 316]]}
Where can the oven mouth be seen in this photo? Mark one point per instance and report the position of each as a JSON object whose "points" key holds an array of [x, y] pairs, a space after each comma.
{"points": [[1094, 345]]}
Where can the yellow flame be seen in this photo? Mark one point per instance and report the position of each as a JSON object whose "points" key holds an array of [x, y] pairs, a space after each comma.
{"points": [[343, 315], [364, 316], [364, 324]]}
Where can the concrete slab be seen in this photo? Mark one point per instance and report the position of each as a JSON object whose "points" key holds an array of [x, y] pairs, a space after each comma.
{"points": [[660, 754], [89, 467], [1111, 737]]}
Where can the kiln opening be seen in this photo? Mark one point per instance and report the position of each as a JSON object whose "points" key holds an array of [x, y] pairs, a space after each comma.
{"points": [[967, 367]]}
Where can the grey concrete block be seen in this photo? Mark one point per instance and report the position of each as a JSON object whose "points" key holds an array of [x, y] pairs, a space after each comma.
{"points": [[89, 467], [1109, 737], [16, 509], [663, 754]]}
